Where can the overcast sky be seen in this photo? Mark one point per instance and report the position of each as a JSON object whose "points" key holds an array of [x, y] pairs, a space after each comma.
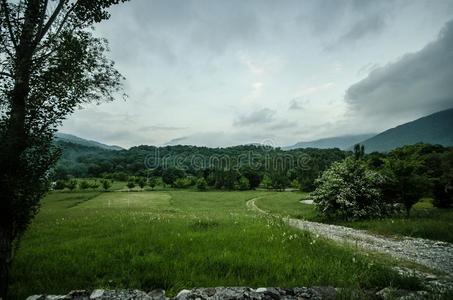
{"points": [[221, 73]]}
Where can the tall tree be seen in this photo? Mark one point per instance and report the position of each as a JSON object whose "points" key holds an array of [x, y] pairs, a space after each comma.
{"points": [[50, 63]]}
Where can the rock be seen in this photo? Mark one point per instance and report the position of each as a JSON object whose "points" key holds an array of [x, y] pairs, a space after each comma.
{"points": [[326, 292], [79, 295], [182, 294], [36, 297], [157, 294], [97, 294], [260, 290]]}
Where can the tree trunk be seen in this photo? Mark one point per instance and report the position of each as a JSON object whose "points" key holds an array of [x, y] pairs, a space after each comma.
{"points": [[15, 143], [5, 261]]}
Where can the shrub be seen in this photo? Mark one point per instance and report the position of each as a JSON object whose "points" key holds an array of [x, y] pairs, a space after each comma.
{"points": [[106, 184], [183, 183], [349, 191], [243, 184], [130, 184], [59, 185], [201, 184], [83, 185], [295, 184], [94, 185], [267, 182], [152, 182], [141, 182], [71, 184]]}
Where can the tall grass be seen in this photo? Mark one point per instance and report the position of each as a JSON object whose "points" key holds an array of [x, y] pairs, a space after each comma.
{"points": [[175, 240], [425, 220]]}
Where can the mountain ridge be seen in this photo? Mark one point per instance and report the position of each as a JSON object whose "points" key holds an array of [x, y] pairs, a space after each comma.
{"points": [[59, 136], [436, 128]]}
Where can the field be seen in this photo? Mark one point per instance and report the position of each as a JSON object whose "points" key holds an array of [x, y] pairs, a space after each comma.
{"points": [[179, 239], [425, 220]]}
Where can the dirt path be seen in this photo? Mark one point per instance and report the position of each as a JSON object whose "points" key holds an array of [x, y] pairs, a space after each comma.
{"points": [[432, 254]]}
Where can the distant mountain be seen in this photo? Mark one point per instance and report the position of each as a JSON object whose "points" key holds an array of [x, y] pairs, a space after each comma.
{"points": [[76, 140], [341, 142], [433, 129]]}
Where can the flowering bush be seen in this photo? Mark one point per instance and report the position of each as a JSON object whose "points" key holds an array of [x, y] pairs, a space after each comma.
{"points": [[349, 191]]}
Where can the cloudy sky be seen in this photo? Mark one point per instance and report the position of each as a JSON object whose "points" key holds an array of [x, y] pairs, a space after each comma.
{"points": [[220, 73]]}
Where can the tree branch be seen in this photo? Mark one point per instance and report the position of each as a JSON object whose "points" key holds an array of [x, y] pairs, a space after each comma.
{"points": [[43, 15], [8, 23], [7, 74], [49, 22]]}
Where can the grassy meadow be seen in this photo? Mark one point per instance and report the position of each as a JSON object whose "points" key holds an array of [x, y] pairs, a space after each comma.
{"points": [[425, 220], [180, 239]]}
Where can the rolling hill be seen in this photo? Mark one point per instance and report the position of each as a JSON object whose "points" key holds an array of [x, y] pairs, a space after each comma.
{"points": [[341, 142], [436, 128], [69, 138]]}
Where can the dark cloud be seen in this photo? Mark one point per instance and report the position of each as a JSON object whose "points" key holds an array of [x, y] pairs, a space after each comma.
{"points": [[261, 116], [418, 83]]}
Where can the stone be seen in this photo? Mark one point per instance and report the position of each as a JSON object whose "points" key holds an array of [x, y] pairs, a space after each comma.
{"points": [[97, 294], [36, 297], [157, 294], [182, 294]]}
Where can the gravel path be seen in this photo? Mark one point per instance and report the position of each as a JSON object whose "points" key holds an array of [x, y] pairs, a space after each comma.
{"points": [[432, 254]]}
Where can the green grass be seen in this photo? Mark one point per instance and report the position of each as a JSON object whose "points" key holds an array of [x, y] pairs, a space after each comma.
{"points": [[175, 240], [425, 220], [286, 204]]}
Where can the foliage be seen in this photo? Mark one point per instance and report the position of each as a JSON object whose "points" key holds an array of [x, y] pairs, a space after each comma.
{"points": [[83, 185], [106, 184], [408, 181], [59, 185], [130, 184], [201, 184], [51, 63], [71, 184], [152, 182], [141, 182], [349, 191], [295, 184], [267, 182], [183, 183], [243, 184]]}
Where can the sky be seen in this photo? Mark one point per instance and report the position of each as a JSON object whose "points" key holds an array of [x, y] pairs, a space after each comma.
{"points": [[221, 73]]}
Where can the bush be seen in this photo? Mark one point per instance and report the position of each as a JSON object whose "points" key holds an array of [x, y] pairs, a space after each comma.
{"points": [[267, 182], [183, 183], [141, 182], [243, 184], [349, 191], [106, 184], [130, 185], [152, 182], [295, 184], [83, 185], [94, 185], [201, 184], [59, 185], [71, 184]]}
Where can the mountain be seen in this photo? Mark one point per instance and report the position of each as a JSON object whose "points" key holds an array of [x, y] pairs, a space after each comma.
{"points": [[436, 128], [79, 141], [341, 142]]}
